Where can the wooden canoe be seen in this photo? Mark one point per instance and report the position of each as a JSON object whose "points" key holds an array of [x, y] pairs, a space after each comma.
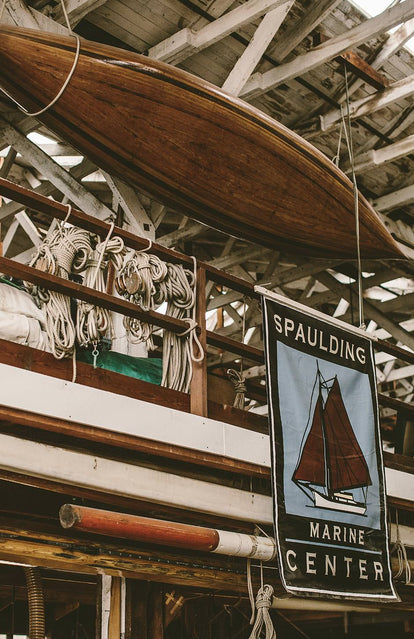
{"points": [[190, 145]]}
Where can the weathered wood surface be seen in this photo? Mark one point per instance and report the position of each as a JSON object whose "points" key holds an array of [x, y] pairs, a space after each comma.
{"points": [[191, 145], [81, 554]]}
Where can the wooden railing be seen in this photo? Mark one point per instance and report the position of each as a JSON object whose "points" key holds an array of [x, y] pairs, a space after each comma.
{"points": [[205, 272]]}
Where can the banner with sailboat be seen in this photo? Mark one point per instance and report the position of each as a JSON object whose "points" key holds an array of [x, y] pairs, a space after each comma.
{"points": [[328, 476]]}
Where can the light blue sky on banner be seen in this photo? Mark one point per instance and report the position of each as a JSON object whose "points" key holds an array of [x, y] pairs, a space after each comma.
{"points": [[296, 378]]}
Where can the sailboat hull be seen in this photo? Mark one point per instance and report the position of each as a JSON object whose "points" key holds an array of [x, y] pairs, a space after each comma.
{"points": [[347, 506], [190, 145]]}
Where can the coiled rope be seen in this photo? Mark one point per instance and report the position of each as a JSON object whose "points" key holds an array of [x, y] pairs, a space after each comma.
{"points": [[93, 322], [263, 604], [263, 601], [136, 281], [148, 281], [66, 250]]}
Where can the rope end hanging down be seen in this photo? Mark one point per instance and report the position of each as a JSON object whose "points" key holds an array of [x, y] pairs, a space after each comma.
{"points": [[263, 603]]}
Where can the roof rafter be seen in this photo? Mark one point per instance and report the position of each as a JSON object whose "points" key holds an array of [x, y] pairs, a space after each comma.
{"points": [[76, 10], [288, 40], [390, 153], [371, 103], [61, 179], [259, 83], [261, 39], [390, 201], [17, 13], [187, 42]]}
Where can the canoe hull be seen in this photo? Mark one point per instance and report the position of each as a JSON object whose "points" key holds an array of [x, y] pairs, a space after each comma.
{"points": [[193, 147]]}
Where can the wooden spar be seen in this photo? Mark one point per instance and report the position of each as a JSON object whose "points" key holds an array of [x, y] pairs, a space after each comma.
{"points": [[166, 533], [192, 146]]}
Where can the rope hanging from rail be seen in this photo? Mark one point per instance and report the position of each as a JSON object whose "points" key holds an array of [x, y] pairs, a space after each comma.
{"points": [[93, 322], [148, 281], [141, 277], [63, 252], [263, 604]]}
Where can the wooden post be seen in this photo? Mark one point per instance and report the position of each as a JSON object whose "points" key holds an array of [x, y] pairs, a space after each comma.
{"points": [[156, 613], [136, 614], [198, 389], [114, 625]]}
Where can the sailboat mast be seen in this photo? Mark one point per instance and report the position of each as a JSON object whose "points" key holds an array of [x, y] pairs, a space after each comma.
{"points": [[324, 435]]}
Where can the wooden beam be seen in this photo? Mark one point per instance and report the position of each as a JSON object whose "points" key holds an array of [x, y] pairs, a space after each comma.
{"points": [[54, 550], [60, 178], [47, 189], [402, 197], [235, 257], [364, 71], [372, 310], [261, 39], [376, 157], [108, 476], [17, 13], [260, 83], [198, 389], [317, 12], [53, 209], [394, 42], [137, 218], [284, 276], [76, 10], [400, 373], [186, 233], [29, 228], [187, 42], [371, 103], [8, 162]]}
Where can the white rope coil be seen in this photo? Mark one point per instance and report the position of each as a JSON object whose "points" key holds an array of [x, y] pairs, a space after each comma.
{"points": [[65, 250], [263, 604], [94, 322], [146, 280]]}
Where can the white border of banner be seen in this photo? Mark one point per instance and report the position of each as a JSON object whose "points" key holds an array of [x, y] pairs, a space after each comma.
{"points": [[350, 328], [313, 312]]}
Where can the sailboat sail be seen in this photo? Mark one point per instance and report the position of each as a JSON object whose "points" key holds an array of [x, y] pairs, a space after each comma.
{"points": [[347, 466], [310, 469], [331, 456]]}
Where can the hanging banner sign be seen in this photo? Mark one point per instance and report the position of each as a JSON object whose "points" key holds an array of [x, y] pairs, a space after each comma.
{"points": [[328, 478]]}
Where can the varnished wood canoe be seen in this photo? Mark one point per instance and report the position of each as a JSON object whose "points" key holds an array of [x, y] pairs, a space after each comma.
{"points": [[189, 144]]}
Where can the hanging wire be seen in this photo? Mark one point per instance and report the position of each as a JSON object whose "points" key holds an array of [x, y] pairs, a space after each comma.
{"points": [[348, 137], [71, 72]]}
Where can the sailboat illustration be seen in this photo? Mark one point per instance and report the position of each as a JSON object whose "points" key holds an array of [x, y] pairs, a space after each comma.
{"points": [[331, 462]]}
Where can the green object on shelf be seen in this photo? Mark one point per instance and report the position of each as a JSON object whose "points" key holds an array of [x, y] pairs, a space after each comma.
{"points": [[145, 368]]}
